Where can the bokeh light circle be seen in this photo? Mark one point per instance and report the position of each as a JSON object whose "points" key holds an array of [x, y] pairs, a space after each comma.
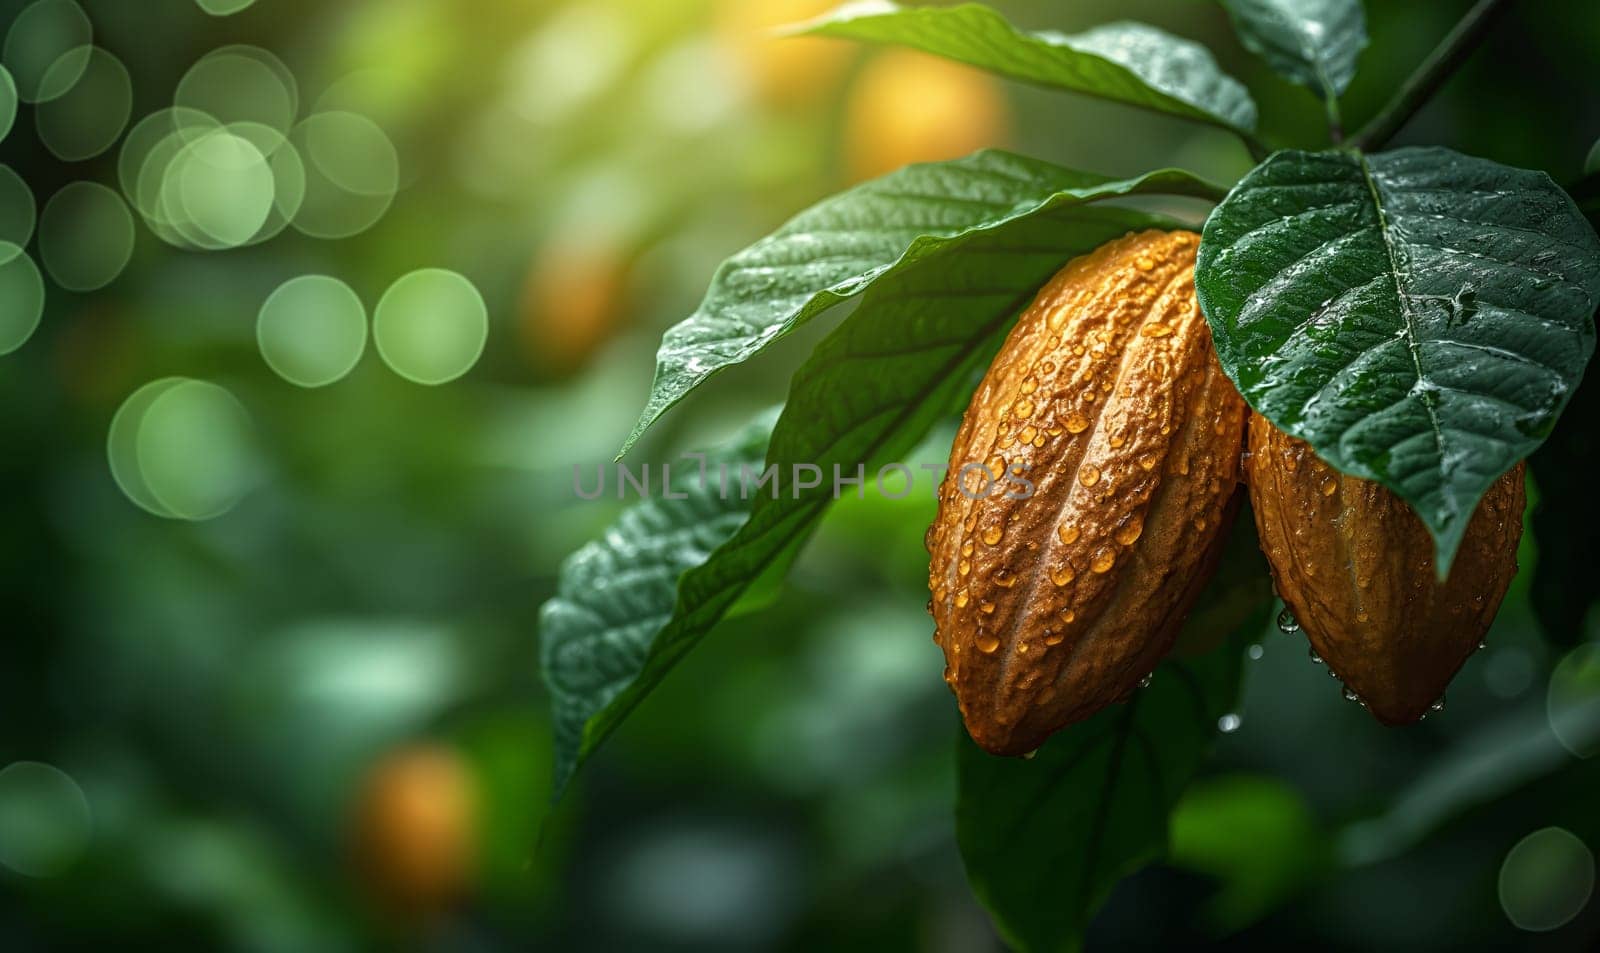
{"points": [[8, 103], [353, 152], [145, 136], [200, 184], [223, 8], [41, 35], [312, 330], [87, 118], [431, 326], [182, 449], [1572, 700], [85, 236], [222, 186], [241, 84], [195, 450], [1546, 880], [351, 174], [21, 297], [18, 213], [44, 819], [122, 444]]}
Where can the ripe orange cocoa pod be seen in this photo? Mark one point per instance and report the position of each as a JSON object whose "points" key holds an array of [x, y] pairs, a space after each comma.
{"points": [[1056, 597], [1355, 566]]}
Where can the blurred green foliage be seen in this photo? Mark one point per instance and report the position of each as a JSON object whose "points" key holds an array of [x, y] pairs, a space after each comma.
{"points": [[220, 691]]}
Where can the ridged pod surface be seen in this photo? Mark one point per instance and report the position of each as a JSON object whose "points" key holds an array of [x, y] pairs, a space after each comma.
{"points": [[1108, 399], [1355, 566]]}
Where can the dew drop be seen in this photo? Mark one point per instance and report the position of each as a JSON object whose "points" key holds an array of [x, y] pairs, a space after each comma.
{"points": [[1023, 408], [965, 568], [1004, 580], [1069, 534], [992, 535], [1144, 264], [1229, 723], [1350, 694], [1145, 682], [1362, 616], [1077, 423], [1287, 623], [1067, 615], [966, 548], [1061, 575], [986, 643], [1116, 442], [1030, 385], [1315, 658], [987, 608], [1255, 652], [1158, 329], [1103, 561], [1438, 705], [1089, 475], [1130, 531], [1330, 486], [962, 599]]}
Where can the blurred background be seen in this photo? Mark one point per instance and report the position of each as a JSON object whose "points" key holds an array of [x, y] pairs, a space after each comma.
{"points": [[307, 311]]}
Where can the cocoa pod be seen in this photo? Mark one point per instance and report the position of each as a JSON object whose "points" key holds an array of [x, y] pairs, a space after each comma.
{"points": [[1355, 566], [1108, 399]]}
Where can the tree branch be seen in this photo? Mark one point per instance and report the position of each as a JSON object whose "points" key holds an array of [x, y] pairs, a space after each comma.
{"points": [[1420, 87]]}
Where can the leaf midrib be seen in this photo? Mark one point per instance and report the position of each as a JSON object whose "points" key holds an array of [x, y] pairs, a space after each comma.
{"points": [[1413, 346]]}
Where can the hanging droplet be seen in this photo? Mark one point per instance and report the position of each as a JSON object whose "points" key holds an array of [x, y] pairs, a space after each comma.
{"points": [[1255, 652], [1145, 682], [1315, 658], [1350, 694], [1229, 723], [1288, 624], [1438, 705]]}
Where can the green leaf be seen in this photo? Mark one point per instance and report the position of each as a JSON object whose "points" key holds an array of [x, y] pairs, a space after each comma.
{"points": [[870, 391], [1128, 63], [617, 593], [1312, 42], [1420, 317], [1045, 839], [840, 247], [1256, 835]]}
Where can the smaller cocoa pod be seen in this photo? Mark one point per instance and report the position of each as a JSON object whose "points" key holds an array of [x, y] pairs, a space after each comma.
{"points": [[1108, 402], [1355, 566]]}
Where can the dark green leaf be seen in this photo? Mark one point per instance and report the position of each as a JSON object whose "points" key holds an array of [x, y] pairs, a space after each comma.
{"points": [[616, 594], [840, 247], [1313, 42], [1127, 63], [1045, 839], [1420, 317]]}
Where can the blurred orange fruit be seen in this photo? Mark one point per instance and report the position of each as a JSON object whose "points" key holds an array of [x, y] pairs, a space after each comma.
{"points": [[909, 107], [783, 71], [415, 829], [574, 301]]}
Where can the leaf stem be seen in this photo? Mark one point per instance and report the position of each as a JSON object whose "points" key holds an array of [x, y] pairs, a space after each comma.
{"points": [[1422, 84]]}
